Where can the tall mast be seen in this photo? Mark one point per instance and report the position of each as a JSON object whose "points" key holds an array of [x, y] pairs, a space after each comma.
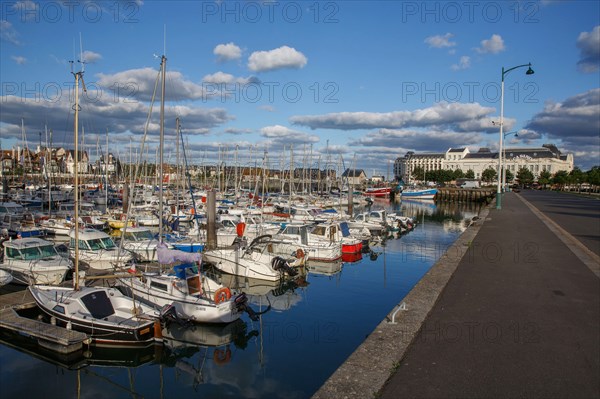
{"points": [[163, 64], [78, 75]]}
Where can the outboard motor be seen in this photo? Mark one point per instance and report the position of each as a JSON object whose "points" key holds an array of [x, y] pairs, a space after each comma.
{"points": [[281, 265], [241, 303], [168, 314]]}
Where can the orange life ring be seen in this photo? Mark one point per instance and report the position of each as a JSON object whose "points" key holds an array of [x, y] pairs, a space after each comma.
{"points": [[221, 356], [299, 253], [222, 295]]}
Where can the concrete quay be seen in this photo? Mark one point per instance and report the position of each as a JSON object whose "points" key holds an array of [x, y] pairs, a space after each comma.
{"points": [[512, 309]]}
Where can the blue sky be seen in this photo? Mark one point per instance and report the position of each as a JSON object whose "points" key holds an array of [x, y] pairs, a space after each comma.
{"points": [[362, 81]]}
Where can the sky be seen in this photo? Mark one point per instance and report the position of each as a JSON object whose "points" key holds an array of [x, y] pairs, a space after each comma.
{"points": [[341, 84]]}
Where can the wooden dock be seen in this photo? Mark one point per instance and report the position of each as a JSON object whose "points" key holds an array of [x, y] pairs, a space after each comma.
{"points": [[465, 194], [53, 337]]}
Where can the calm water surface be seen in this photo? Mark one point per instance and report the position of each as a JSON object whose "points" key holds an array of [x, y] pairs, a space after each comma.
{"points": [[311, 325]]}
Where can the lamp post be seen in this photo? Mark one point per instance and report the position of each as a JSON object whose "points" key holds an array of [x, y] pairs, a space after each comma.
{"points": [[504, 73], [504, 166]]}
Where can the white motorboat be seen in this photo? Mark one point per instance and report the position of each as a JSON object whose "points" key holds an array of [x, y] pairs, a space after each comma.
{"points": [[34, 261], [193, 295], [108, 316], [98, 250], [256, 261], [316, 247], [140, 241]]}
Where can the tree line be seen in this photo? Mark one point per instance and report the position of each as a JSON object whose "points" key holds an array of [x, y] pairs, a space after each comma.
{"points": [[560, 180]]}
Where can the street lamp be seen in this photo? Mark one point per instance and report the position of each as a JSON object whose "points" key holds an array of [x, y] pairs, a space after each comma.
{"points": [[504, 72], [516, 133]]}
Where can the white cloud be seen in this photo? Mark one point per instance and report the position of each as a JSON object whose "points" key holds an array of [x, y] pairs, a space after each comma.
{"points": [[285, 135], [102, 110], [452, 116], [493, 45], [238, 131], [268, 108], [575, 121], [91, 57], [279, 58], [227, 52], [464, 63], [419, 140], [27, 10], [439, 41], [8, 33], [18, 59], [139, 84], [225, 78], [589, 44]]}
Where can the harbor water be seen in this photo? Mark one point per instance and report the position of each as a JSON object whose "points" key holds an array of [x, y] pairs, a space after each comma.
{"points": [[310, 325]]}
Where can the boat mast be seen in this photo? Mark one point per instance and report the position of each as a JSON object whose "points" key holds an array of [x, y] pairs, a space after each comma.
{"points": [[78, 76], [163, 65]]}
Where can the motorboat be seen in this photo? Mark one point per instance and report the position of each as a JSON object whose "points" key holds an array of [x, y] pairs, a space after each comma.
{"points": [[257, 260], [316, 247], [338, 232], [193, 295], [141, 241], [428, 193], [34, 261], [98, 250], [109, 317]]}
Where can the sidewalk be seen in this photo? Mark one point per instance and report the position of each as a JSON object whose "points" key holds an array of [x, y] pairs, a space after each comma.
{"points": [[520, 317]]}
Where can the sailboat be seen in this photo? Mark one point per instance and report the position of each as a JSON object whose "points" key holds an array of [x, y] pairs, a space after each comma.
{"points": [[191, 294], [105, 314]]}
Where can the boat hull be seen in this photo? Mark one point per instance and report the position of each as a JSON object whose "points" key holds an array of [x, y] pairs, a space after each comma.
{"points": [[119, 329]]}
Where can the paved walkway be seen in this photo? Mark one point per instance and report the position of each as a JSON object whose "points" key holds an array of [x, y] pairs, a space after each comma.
{"points": [[520, 316]]}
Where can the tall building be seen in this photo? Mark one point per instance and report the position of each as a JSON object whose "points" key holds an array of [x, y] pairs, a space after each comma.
{"points": [[547, 157]]}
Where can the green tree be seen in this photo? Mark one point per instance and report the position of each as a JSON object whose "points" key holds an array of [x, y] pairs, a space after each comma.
{"points": [[457, 174], [489, 175], [524, 176], [576, 176], [417, 173], [509, 176], [560, 178], [470, 174], [544, 178], [593, 177]]}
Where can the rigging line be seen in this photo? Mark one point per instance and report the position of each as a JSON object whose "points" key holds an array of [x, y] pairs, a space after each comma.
{"points": [[189, 178], [138, 170]]}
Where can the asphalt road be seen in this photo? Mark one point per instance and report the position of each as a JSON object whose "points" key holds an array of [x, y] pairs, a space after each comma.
{"points": [[520, 316], [578, 215]]}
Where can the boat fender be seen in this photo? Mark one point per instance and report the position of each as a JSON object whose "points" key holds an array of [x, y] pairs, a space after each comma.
{"points": [[222, 295]]}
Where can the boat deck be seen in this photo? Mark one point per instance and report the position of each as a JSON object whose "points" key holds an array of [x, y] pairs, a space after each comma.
{"points": [[56, 338]]}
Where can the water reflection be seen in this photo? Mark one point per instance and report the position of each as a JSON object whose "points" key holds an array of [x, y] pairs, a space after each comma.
{"points": [[308, 327], [324, 268], [268, 295]]}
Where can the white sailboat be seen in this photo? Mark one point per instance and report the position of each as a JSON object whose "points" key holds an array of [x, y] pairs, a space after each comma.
{"points": [[105, 314], [193, 296]]}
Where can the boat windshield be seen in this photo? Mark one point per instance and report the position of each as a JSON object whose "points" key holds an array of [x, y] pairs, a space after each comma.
{"points": [[138, 235], [101, 243], [319, 231], [31, 253], [48, 250]]}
